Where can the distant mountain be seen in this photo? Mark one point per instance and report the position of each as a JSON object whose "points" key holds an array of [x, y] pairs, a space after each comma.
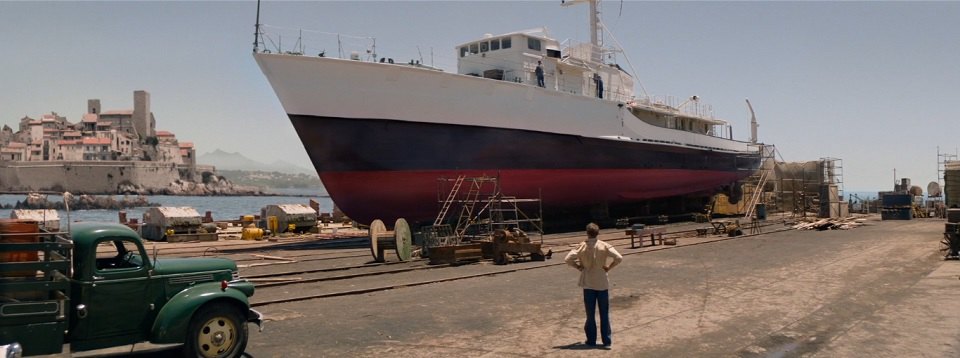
{"points": [[236, 161]]}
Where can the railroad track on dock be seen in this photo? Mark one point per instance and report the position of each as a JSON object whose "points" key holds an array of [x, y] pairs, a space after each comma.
{"points": [[378, 269]]}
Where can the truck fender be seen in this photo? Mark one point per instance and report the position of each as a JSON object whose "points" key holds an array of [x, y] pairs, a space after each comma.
{"points": [[173, 319]]}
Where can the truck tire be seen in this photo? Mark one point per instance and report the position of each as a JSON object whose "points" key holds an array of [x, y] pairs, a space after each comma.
{"points": [[216, 330]]}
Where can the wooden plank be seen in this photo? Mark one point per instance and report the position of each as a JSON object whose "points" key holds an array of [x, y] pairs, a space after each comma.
{"points": [[268, 257]]}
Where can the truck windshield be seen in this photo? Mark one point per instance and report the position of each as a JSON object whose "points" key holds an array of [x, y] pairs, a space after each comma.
{"points": [[117, 253]]}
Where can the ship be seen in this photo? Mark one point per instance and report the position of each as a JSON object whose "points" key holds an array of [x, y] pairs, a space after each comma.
{"points": [[380, 134]]}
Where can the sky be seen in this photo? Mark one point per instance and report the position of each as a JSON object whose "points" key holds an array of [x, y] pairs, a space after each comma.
{"points": [[872, 83]]}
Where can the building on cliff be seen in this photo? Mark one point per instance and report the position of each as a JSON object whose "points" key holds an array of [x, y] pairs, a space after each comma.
{"points": [[125, 140]]}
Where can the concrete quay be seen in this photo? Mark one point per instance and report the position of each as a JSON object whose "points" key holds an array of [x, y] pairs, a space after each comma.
{"points": [[879, 290]]}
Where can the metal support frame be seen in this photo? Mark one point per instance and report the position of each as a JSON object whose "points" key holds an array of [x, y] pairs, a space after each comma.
{"points": [[482, 208]]}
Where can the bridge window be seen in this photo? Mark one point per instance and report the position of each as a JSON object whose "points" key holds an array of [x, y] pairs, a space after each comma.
{"points": [[484, 46], [474, 48], [505, 42], [463, 51], [494, 44], [533, 44]]}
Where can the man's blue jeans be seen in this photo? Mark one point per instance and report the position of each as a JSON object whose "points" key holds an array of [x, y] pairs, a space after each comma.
{"points": [[592, 299]]}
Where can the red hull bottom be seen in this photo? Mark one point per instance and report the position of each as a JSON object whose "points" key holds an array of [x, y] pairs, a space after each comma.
{"points": [[388, 195]]}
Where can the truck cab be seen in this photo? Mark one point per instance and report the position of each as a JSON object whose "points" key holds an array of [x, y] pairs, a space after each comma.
{"points": [[99, 288]]}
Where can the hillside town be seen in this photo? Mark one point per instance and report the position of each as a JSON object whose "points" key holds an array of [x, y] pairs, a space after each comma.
{"points": [[100, 135], [115, 151]]}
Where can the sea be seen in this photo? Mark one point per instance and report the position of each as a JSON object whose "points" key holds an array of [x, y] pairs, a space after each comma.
{"points": [[220, 207]]}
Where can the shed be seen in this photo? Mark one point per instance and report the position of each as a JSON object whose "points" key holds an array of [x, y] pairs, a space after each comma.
{"points": [[158, 221], [48, 219], [301, 216]]}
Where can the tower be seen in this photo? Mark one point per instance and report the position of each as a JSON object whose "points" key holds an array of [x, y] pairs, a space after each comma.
{"points": [[93, 106], [142, 117]]}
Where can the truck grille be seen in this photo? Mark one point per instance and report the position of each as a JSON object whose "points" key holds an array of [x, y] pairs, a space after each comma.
{"points": [[191, 279]]}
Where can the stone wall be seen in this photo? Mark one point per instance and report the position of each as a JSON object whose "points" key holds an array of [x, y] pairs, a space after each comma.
{"points": [[101, 177]]}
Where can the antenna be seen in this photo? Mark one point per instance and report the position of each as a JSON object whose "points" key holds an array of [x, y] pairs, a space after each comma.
{"points": [[256, 32]]}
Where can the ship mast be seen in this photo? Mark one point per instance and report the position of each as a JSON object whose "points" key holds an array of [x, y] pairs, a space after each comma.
{"points": [[595, 26], [753, 123], [256, 31], [595, 30]]}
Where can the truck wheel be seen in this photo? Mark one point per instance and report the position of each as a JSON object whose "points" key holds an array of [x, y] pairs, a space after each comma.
{"points": [[216, 331]]}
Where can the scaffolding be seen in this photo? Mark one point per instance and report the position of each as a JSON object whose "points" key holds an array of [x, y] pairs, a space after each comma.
{"points": [[815, 186], [481, 209], [831, 173], [757, 183], [942, 159]]}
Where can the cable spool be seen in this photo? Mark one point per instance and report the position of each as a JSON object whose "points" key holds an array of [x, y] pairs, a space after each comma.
{"points": [[400, 240]]}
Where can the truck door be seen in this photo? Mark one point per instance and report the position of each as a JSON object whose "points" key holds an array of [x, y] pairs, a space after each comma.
{"points": [[117, 298]]}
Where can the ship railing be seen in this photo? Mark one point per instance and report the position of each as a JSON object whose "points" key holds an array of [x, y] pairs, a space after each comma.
{"points": [[687, 107], [673, 106], [303, 42], [584, 51]]}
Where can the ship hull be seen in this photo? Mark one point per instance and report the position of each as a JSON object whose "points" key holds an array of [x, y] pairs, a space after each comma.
{"points": [[386, 169], [380, 135]]}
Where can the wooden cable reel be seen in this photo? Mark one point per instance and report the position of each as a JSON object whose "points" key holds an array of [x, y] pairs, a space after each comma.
{"points": [[400, 240]]}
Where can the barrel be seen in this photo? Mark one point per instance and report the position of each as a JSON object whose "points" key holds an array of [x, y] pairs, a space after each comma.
{"points": [[951, 184], [952, 228], [953, 215], [273, 224], [16, 231], [761, 211]]}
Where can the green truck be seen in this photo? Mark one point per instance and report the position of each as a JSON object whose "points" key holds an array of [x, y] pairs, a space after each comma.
{"points": [[97, 287]]}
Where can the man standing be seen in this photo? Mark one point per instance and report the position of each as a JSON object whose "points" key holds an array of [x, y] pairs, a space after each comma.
{"points": [[597, 80], [590, 257], [539, 73]]}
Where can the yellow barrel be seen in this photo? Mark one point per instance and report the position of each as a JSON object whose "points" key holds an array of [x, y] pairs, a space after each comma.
{"points": [[291, 227], [273, 224], [251, 233]]}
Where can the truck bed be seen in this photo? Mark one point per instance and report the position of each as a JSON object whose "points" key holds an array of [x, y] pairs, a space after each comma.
{"points": [[34, 291]]}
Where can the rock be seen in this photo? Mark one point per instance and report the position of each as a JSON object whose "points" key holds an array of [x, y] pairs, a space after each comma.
{"points": [[83, 202]]}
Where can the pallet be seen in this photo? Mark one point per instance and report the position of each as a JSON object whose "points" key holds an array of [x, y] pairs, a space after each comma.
{"points": [[211, 236], [453, 255]]}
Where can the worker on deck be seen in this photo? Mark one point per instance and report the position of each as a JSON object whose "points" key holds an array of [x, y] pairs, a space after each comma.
{"points": [[539, 73]]}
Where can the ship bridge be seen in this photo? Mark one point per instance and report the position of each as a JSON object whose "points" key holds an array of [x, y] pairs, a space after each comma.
{"points": [[568, 67]]}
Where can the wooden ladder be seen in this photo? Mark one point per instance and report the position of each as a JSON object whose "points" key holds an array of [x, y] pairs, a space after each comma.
{"points": [[756, 195]]}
